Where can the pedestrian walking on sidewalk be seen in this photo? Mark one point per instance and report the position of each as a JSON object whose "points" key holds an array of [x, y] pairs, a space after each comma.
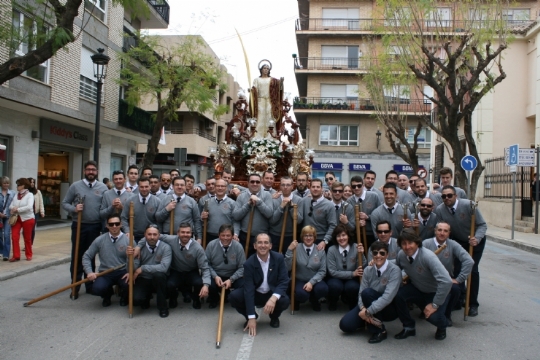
{"points": [[38, 205], [23, 206], [6, 196]]}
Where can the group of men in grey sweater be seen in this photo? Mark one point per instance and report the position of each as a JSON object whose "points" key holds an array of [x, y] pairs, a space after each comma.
{"points": [[170, 257]]}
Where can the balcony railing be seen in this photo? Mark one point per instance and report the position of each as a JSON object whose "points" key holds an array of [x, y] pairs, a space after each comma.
{"points": [[139, 119], [332, 63], [162, 7], [193, 131], [348, 104], [313, 24]]}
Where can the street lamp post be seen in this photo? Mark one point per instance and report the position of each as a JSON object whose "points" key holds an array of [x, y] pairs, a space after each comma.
{"points": [[100, 61]]}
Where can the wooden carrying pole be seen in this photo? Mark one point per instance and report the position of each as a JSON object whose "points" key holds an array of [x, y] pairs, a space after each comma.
{"points": [[363, 230], [416, 208], [250, 223], [468, 294], [220, 319], [283, 227], [358, 231], [205, 225], [75, 259], [130, 260], [26, 304], [171, 225], [293, 274]]}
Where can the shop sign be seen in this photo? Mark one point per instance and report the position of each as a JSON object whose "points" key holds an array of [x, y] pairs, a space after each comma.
{"points": [[62, 133], [359, 167], [327, 166]]}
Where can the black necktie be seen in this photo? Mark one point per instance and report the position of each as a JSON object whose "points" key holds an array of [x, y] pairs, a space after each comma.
{"points": [[118, 192], [90, 186], [153, 248], [359, 200], [308, 251], [337, 207], [143, 201], [131, 187], [425, 222], [411, 259], [345, 252], [212, 196], [344, 262], [266, 189], [226, 248], [439, 246], [301, 193], [391, 210], [178, 199], [182, 247], [114, 239], [453, 211], [378, 273], [219, 201]]}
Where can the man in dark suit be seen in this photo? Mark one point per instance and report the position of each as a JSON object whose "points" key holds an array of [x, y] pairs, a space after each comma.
{"points": [[265, 284]]}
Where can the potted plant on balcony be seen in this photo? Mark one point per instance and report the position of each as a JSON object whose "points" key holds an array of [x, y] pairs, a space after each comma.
{"points": [[320, 105], [352, 105]]}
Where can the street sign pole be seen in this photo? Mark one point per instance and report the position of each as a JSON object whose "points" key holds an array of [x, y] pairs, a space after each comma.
{"points": [[469, 184], [513, 162], [513, 201], [537, 186], [469, 163]]}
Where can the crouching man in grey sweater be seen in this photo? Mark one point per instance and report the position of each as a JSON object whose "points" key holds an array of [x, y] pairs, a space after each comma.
{"points": [[226, 261], [111, 248], [152, 267], [428, 288]]}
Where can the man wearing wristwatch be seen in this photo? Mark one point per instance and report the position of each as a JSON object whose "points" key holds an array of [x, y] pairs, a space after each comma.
{"points": [[428, 287]]}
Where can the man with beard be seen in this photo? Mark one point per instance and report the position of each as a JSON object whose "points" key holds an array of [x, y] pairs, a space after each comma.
{"points": [[391, 211], [166, 187], [344, 210], [92, 192], [301, 185], [369, 201], [145, 206], [279, 214], [426, 219]]}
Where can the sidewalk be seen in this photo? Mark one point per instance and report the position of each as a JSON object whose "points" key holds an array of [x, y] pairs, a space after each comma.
{"points": [[53, 246]]}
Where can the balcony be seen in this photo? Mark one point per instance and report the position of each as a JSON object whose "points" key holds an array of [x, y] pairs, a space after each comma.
{"points": [[310, 105], [159, 15], [333, 65], [193, 131], [366, 26], [139, 120]]}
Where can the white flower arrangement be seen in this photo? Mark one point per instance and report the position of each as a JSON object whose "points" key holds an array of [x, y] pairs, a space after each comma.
{"points": [[260, 146]]}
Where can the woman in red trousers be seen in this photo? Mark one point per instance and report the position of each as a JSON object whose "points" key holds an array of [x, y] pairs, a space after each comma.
{"points": [[23, 206]]}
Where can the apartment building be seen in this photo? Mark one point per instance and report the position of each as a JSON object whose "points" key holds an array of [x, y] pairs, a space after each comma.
{"points": [[334, 109], [194, 132], [47, 115]]}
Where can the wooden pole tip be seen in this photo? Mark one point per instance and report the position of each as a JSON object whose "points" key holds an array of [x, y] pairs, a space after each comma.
{"points": [[218, 345], [25, 304], [131, 316]]}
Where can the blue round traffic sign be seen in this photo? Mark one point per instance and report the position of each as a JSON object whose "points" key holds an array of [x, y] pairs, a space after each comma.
{"points": [[469, 163]]}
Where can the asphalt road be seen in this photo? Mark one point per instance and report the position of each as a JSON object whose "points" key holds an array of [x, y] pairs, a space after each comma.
{"points": [[508, 326]]}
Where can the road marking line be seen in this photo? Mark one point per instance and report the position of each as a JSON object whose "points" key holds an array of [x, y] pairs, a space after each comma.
{"points": [[245, 347]]}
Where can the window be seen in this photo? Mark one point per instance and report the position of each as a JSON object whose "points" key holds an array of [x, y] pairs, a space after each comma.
{"points": [[338, 135], [339, 57], [441, 17], [516, 16], [428, 92], [27, 36], [399, 17], [424, 138], [4, 165], [117, 163], [88, 84], [401, 92], [98, 8], [337, 93], [341, 18]]}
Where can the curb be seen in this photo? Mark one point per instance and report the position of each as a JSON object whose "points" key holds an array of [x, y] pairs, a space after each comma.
{"points": [[43, 265], [514, 243]]}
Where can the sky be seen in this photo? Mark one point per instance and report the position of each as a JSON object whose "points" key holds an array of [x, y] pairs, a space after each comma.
{"points": [[266, 27]]}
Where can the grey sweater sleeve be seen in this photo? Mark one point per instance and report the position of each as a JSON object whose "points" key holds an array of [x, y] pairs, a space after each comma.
{"points": [[163, 265], [481, 226], [202, 262], [390, 291], [90, 254], [444, 282], [466, 261]]}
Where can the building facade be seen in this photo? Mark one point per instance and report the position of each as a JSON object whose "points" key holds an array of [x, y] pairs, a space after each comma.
{"points": [[47, 115], [335, 113]]}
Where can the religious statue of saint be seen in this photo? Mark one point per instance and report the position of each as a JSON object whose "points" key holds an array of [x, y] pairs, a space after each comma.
{"points": [[266, 98]]}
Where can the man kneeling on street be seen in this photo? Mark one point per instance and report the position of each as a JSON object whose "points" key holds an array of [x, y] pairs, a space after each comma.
{"points": [[152, 266], [265, 284]]}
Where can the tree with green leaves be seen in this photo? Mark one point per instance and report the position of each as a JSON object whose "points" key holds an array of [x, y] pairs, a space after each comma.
{"points": [[48, 26], [453, 52], [170, 75]]}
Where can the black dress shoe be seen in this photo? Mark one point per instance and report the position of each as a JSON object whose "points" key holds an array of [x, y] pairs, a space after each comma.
{"points": [[405, 333], [274, 322], [378, 337], [296, 306], [316, 306], [173, 302], [456, 307], [164, 313], [196, 304], [440, 334], [145, 305], [332, 306], [106, 302], [449, 322], [473, 311], [212, 305], [187, 299], [124, 302]]}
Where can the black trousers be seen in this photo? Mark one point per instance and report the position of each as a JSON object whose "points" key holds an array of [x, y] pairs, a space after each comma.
{"points": [[213, 291], [103, 285], [189, 282], [251, 250], [478, 251], [143, 289], [237, 300], [89, 232], [409, 293], [287, 240]]}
